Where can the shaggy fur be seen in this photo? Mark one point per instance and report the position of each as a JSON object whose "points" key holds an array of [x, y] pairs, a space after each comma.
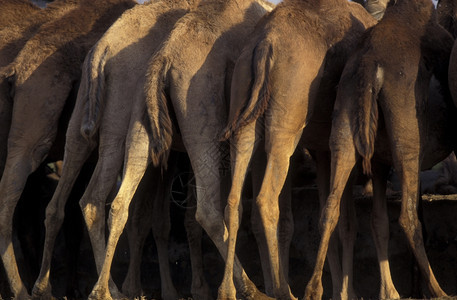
{"points": [[113, 77], [43, 75]]}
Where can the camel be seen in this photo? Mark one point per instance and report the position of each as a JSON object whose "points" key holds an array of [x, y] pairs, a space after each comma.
{"points": [[447, 12], [19, 21], [191, 70], [114, 70], [45, 71], [388, 93], [263, 85]]}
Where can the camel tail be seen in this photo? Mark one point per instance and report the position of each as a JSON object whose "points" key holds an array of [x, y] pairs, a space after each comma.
{"points": [[259, 92], [367, 118], [93, 90], [157, 107]]}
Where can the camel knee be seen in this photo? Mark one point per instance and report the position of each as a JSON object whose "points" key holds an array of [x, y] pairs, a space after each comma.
{"points": [[91, 212], [410, 224], [269, 212], [54, 218], [233, 208], [211, 220], [330, 215], [118, 216]]}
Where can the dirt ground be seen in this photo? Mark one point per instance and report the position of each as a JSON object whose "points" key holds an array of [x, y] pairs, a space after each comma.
{"points": [[439, 214]]}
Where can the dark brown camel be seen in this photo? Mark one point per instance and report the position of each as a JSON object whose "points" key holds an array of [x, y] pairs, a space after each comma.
{"points": [[447, 13], [42, 77], [191, 70], [113, 72], [300, 36], [387, 92], [25, 20]]}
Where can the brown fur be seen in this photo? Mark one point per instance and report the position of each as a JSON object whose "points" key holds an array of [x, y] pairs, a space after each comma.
{"points": [[303, 54], [113, 77], [397, 82], [15, 10], [43, 75], [447, 14], [194, 64], [13, 37]]}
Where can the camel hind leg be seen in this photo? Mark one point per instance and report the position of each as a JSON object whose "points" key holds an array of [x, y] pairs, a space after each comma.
{"points": [[343, 159], [150, 206], [403, 131], [161, 225], [242, 148], [199, 289], [93, 201], [136, 162], [11, 187], [279, 147], [380, 230], [76, 154], [286, 223]]}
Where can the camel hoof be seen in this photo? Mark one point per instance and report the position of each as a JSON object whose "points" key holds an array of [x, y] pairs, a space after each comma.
{"points": [[314, 290], [42, 292], [132, 291], [252, 293], [98, 294], [22, 295], [261, 296], [170, 295], [202, 292], [226, 294]]}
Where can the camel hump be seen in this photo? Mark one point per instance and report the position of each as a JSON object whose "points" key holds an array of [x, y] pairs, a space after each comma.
{"points": [[260, 94], [157, 107], [93, 89], [367, 117]]}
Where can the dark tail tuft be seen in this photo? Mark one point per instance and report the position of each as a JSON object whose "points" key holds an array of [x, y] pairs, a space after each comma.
{"points": [[260, 92]]}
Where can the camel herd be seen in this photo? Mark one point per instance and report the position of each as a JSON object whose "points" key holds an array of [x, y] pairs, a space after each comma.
{"points": [[129, 85]]}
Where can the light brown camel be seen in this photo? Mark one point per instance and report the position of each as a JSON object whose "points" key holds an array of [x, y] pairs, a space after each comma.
{"points": [[42, 77], [287, 87], [24, 19], [189, 75], [387, 92], [113, 73]]}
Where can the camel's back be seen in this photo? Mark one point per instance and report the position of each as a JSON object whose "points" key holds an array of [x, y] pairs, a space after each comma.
{"points": [[143, 24], [14, 36], [140, 31], [65, 41], [13, 11], [410, 21]]}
